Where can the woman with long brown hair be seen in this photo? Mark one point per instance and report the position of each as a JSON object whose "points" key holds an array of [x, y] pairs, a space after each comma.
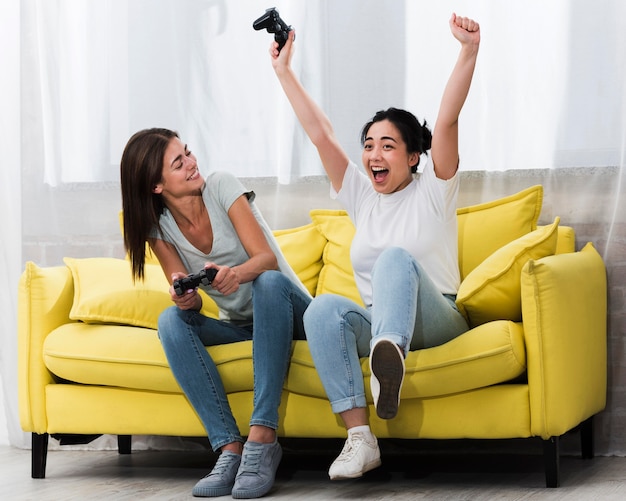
{"points": [[192, 223]]}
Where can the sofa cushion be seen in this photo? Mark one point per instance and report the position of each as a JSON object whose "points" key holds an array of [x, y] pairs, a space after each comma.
{"points": [[303, 248], [337, 275], [131, 357], [487, 355], [486, 227], [492, 291], [483, 356], [566, 242], [104, 292]]}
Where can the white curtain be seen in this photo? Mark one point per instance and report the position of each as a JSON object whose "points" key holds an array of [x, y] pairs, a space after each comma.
{"points": [[548, 90], [11, 221], [106, 69], [548, 101]]}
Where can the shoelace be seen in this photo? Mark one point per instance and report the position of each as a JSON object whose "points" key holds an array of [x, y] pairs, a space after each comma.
{"points": [[350, 447], [251, 460], [222, 464]]}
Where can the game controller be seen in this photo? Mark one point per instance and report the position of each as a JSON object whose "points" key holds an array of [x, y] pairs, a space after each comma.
{"points": [[272, 22], [204, 277]]}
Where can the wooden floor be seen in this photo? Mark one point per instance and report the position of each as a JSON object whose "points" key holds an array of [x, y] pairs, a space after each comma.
{"points": [[430, 474]]}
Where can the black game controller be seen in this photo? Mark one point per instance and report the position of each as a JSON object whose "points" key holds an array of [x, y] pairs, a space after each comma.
{"points": [[204, 277], [272, 22]]}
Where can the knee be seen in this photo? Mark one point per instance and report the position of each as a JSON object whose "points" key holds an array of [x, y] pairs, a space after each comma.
{"points": [[269, 282], [166, 317], [169, 322], [394, 258], [320, 316], [394, 255]]}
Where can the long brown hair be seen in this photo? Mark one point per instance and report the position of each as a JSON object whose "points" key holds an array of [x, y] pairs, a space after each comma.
{"points": [[141, 170]]}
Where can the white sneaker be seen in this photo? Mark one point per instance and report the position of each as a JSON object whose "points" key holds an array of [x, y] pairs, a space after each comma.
{"points": [[387, 368], [357, 457]]}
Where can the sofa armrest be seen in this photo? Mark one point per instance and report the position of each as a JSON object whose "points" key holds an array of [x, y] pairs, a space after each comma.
{"points": [[45, 297], [564, 310]]}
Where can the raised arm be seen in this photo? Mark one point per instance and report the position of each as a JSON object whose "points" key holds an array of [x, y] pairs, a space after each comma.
{"points": [[314, 121], [445, 142]]}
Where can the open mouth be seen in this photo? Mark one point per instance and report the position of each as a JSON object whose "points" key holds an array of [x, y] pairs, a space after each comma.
{"points": [[379, 174], [195, 174]]}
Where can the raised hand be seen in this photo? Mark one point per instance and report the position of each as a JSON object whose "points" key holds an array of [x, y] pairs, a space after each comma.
{"points": [[465, 30], [282, 59]]}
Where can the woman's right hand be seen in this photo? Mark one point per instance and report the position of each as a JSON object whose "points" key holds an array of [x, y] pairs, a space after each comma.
{"points": [[190, 300], [312, 118], [281, 60]]}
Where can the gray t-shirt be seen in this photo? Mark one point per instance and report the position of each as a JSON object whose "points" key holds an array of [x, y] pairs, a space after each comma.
{"points": [[220, 191]]}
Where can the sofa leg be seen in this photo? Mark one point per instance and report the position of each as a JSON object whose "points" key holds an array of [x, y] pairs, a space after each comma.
{"points": [[39, 454], [124, 444], [551, 461], [586, 438]]}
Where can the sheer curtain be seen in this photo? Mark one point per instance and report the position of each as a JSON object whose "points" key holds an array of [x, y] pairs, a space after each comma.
{"points": [[108, 68], [547, 106], [10, 223]]}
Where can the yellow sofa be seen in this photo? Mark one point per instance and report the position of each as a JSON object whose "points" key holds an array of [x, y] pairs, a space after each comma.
{"points": [[533, 364]]}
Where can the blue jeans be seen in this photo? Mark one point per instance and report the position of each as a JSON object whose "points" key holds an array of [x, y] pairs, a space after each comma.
{"points": [[407, 309], [278, 307]]}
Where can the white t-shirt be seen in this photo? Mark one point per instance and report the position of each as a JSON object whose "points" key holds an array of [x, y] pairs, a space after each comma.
{"points": [[220, 191], [421, 219]]}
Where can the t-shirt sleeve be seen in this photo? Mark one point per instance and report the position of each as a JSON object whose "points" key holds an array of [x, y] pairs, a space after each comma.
{"points": [[442, 193], [227, 188], [354, 187]]}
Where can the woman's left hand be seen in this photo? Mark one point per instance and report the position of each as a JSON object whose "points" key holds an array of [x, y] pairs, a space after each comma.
{"points": [[226, 281], [465, 30]]}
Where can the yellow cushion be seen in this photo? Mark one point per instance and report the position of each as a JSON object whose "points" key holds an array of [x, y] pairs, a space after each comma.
{"points": [[566, 241], [303, 247], [492, 291], [104, 292], [487, 355], [486, 227], [130, 357], [337, 275]]}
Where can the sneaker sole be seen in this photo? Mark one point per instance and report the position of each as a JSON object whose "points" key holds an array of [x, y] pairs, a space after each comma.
{"points": [[366, 468], [211, 492], [388, 368]]}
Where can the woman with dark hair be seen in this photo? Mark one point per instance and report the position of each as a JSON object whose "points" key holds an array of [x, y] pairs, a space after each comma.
{"points": [[193, 223], [404, 251]]}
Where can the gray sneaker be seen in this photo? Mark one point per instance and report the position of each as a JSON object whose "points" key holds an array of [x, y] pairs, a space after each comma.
{"points": [[222, 477], [256, 474]]}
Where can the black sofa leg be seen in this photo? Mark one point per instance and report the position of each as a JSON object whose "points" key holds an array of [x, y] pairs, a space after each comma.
{"points": [[124, 444], [551, 461], [586, 438], [39, 454]]}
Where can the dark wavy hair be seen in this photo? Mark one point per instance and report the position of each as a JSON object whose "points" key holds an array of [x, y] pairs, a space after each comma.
{"points": [[141, 170], [415, 135]]}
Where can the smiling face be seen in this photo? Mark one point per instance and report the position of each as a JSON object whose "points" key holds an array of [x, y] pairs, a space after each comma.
{"points": [[386, 159], [180, 176]]}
